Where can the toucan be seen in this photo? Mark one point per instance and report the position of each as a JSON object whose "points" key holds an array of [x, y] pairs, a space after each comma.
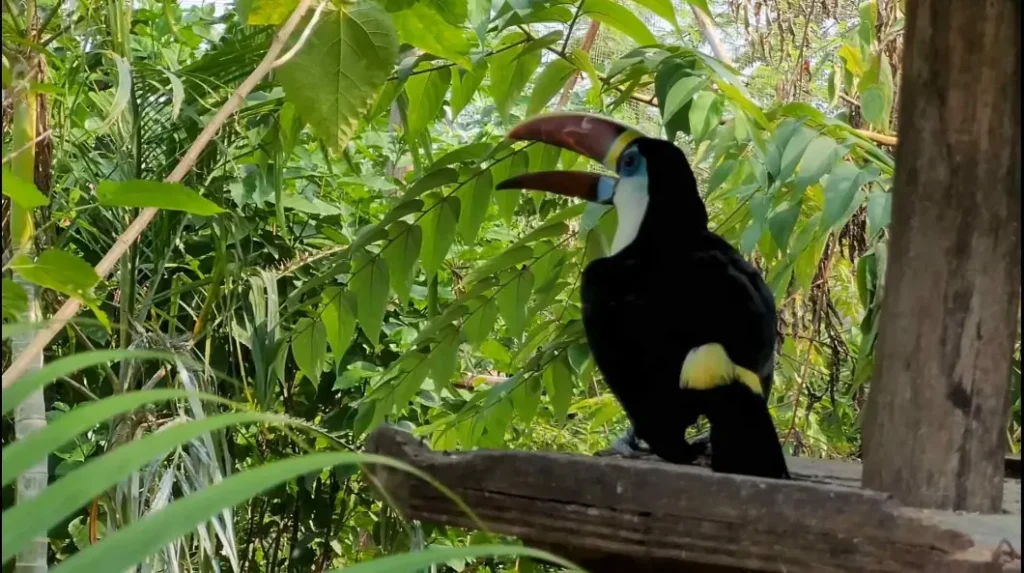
{"points": [[678, 323]]}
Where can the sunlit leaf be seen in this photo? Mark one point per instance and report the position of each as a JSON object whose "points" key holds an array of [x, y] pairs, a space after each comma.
{"points": [[620, 18], [22, 192], [794, 151], [474, 199], [510, 73], [339, 318], [464, 85], [507, 258], [335, 77], [59, 270], [15, 300], [679, 96], [426, 95], [842, 193], [159, 194], [663, 8], [705, 113], [427, 30], [781, 225], [454, 12], [265, 12], [370, 284], [550, 81]]}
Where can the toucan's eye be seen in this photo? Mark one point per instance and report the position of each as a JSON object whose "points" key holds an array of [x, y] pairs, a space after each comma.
{"points": [[630, 162]]}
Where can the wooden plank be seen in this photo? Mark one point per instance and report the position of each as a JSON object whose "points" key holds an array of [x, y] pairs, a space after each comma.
{"points": [[935, 426], [611, 514]]}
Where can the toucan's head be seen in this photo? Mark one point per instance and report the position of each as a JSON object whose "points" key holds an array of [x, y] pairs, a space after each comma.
{"points": [[654, 192]]}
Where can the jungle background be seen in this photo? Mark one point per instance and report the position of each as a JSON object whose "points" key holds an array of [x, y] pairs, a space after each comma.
{"points": [[337, 257]]}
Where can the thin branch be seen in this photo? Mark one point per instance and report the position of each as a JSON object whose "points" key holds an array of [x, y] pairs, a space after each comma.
{"points": [[132, 233], [27, 146], [305, 35]]}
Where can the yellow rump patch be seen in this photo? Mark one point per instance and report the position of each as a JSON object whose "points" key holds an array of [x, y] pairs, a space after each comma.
{"points": [[709, 366]]}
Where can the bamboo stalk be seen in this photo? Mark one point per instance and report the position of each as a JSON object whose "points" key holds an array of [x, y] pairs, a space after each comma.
{"points": [[132, 233]]}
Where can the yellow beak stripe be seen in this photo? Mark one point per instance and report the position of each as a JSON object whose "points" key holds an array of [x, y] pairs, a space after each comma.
{"points": [[709, 366], [611, 158]]}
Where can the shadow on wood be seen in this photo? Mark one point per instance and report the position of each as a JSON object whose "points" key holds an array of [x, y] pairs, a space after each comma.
{"points": [[610, 514]]}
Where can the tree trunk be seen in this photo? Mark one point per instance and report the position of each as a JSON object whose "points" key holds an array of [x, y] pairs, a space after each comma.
{"points": [[935, 427]]}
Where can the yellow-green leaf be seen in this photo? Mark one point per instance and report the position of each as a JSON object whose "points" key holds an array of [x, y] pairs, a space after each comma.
{"points": [[159, 194], [309, 347], [474, 200], [426, 95], [550, 81], [620, 18], [428, 31], [22, 192], [514, 299], [339, 317], [438, 231], [401, 254], [464, 85], [370, 284]]}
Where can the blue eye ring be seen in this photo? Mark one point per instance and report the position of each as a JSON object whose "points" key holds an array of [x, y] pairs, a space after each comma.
{"points": [[630, 162]]}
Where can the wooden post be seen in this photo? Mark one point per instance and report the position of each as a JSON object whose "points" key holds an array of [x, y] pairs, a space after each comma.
{"points": [[935, 427]]}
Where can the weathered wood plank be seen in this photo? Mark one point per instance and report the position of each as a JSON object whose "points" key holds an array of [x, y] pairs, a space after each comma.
{"points": [[607, 513], [935, 425]]}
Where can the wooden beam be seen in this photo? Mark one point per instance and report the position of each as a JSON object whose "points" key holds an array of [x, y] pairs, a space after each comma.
{"points": [[610, 514], [935, 427]]}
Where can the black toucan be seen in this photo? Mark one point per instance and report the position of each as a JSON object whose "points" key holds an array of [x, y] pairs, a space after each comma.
{"points": [[679, 324]]}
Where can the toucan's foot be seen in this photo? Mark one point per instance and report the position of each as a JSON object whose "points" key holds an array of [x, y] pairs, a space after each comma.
{"points": [[702, 446], [627, 446]]}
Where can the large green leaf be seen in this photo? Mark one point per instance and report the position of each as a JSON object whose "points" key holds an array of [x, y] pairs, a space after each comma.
{"points": [[479, 324], [474, 200], [427, 30], [550, 81], [526, 399], [438, 231], [339, 317], [558, 380], [842, 193], [444, 358], [426, 96], [705, 113], [61, 271], [817, 160], [879, 212], [23, 453], [464, 85], [454, 12], [370, 284], [335, 77], [509, 73], [22, 192], [794, 150], [265, 12], [159, 194], [509, 199], [620, 18], [126, 548], [401, 254], [309, 347], [781, 225], [512, 256], [663, 8], [679, 96], [432, 180], [514, 300]]}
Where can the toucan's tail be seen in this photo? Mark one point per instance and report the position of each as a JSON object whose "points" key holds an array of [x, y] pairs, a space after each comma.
{"points": [[743, 436]]}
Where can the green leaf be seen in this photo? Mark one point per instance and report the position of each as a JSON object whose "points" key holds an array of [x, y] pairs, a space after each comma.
{"points": [[513, 301], [526, 398], [512, 256], [427, 30], [679, 96], [309, 347], [702, 5], [509, 199], [874, 106], [414, 368], [438, 232], [15, 300], [22, 454], [159, 194], [794, 151], [36, 380], [558, 380], [403, 209], [879, 212], [620, 18], [335, 77], [401, 254], [842, 193], [22, 192], [817, 160], [339, 319], [510, 73], [479, 324], [370, 284], [432, 180], [781, 225], [868, 20], [266, 12], [426, 96], [471, 153], [547, 85], [454, 12], [582, 61], [464, 85], [808, 259], [125, 548], [663, 8], [444, 358], [474, 200], [721, 173], [61, 271], [705, 113]]}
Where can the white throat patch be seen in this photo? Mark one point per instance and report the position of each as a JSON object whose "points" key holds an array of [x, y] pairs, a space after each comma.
{"points": [[630, 200]]}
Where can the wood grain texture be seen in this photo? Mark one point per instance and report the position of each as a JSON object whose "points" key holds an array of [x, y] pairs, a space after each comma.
{"points": [[934, 431], [611, 514]]}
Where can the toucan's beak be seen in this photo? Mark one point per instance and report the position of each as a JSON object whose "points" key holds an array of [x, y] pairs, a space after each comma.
{"points": [[580, 184], [598, 138]]}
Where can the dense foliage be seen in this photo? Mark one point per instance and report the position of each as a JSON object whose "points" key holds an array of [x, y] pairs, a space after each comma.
{"points": [[338, 257]]}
